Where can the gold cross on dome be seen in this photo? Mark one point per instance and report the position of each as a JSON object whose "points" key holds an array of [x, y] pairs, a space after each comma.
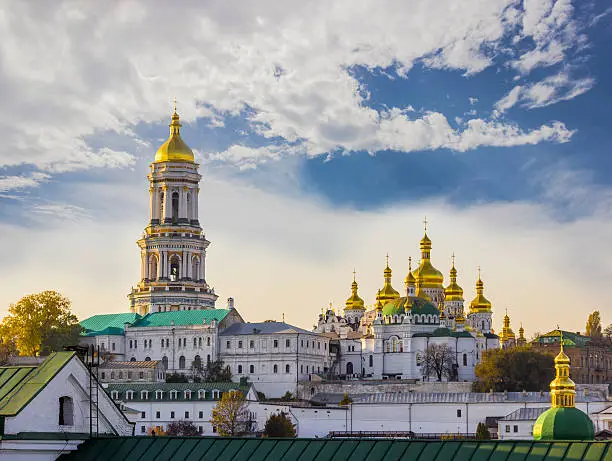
{"points": [[354, 275], [453, 258], [425, 222], [387, 259]]}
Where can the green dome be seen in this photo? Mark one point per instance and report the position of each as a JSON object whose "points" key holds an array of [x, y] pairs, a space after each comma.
{"points": [[394, 307], [422, 306], [563, 423]]}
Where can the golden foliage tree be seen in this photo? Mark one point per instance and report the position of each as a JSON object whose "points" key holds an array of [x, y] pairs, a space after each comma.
{"points": [[593, 325], [40, 323], [231, 416]]}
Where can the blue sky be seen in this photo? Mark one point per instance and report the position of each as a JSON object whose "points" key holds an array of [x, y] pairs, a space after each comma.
{"points": [[318, 128]]}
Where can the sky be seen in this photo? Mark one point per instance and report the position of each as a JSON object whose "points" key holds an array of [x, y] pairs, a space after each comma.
{"points": [[325, 133]]}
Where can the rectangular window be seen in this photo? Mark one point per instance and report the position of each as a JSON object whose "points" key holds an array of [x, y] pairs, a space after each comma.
{"points": [[201, 414], [287, 343], [200, 429], [143, 429], [507, 428], [171, 415], [458, 413], [276, 343], [103, 375], [239, 344], [515, 428], [158, 414], [228, 344], [113, 346], [252, 344], [141, 375], [143, 414], [131, 343], [135, 344], [186, 415]]}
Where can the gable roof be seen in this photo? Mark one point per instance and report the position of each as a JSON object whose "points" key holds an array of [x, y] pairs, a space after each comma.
{"points": [[263, 328], [181, 318], [180, 388], [107, 324], [144, 364], [569, 338], [19, 385], [524, 414], [246, 449]]}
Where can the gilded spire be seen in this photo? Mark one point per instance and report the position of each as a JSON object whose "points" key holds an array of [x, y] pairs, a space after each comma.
{"points": [[429, 275], [507, 333], [174, 149], [453, 292], [387, 293], [354, 301], [562, 388], [480, 303], [409, 281]]}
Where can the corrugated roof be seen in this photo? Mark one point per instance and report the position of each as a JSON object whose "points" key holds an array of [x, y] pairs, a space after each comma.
{"points": [[107, 324], [19, 385], [181, 318], [245, 449], [263, 328], [145, 364], [463, 397], [524, 414]]}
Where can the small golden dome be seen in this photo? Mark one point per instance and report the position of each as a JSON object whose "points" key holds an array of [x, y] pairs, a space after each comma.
{"points": [[354, 301], [174, 149], [409, 281], [430, 276], [480, 303], [453, 292], [387, 293]]}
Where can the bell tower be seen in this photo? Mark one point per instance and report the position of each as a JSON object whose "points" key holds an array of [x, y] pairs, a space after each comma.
{"points": [[173, 246]]}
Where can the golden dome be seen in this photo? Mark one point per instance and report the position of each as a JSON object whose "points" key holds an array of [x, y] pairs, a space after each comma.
{"points": [[429, 275], [174, 149], [480, 303], [409, 281], [507, 333], [354, 301], [387, 293], [453, 292]]}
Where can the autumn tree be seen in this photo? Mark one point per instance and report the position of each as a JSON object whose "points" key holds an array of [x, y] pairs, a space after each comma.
{"points": [[279, 425], [514, 370], [439, 361], [41, 323], [608, 332], [593, 325], [182, 428], [346, 400], [231, 416]]}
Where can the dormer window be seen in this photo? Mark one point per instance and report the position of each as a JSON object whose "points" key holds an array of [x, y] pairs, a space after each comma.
{"points": [[201, 394], [159, 395], [173, 395], [114, 395], [144, 395], [187, 395]]}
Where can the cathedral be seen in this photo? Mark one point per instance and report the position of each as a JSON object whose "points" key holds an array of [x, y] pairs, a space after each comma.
{"points": [[395, 338]]}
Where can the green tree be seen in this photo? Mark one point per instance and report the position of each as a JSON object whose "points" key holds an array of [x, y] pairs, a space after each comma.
{"points": [[217, 372], [231, 416], [482, 432], [593, 325], [287, 397], [182, 428], [608, 332], [176, 378], [514, 370], [41, 323], [279, 425]]}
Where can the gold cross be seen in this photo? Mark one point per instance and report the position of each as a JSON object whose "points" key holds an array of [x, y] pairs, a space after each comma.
{"points": [[425, 222], [175, 104], [387, 259], [354, 275], [453, 258]]}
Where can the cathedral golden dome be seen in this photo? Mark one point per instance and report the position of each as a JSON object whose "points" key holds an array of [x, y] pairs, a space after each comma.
{"points": [[429, 276], [480, 303], [354, 301], [507, 333], [453, 292], [174, 149], [409, 281]]}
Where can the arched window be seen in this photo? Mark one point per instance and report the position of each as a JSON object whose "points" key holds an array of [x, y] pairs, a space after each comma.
{"points": [[483, 325], [133, 359], [465, 360], [275, 368], [199, 342], [197, 362], [371, 360], [287, 368], [66, 411], [153, 267], [147, 359], [207, 359], [175, 207], [208, 341], [182, 361], [175, 264], [239, 369], [251, 368], [349, 368], [394, 344]]}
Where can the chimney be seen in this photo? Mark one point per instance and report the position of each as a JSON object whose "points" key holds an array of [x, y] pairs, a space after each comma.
{"points": [[230, 303]]}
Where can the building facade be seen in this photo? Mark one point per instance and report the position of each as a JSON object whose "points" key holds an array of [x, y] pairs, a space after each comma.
{"points": [[125, 372], [395, 338]]}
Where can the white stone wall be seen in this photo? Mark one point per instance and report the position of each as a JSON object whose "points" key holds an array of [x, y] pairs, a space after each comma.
{"points": [[265, 365], [515, 430]]}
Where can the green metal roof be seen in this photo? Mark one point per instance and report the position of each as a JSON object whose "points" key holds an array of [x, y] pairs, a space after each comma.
{"points": [[19, 385], [250, 449], [107, 324], [196, 317], [569, 338], [180, 387], [563, 423]]}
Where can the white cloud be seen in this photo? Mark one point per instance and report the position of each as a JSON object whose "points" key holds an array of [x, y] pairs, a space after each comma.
{"points": [[551, 90], [75, 70], [14, 183]]}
